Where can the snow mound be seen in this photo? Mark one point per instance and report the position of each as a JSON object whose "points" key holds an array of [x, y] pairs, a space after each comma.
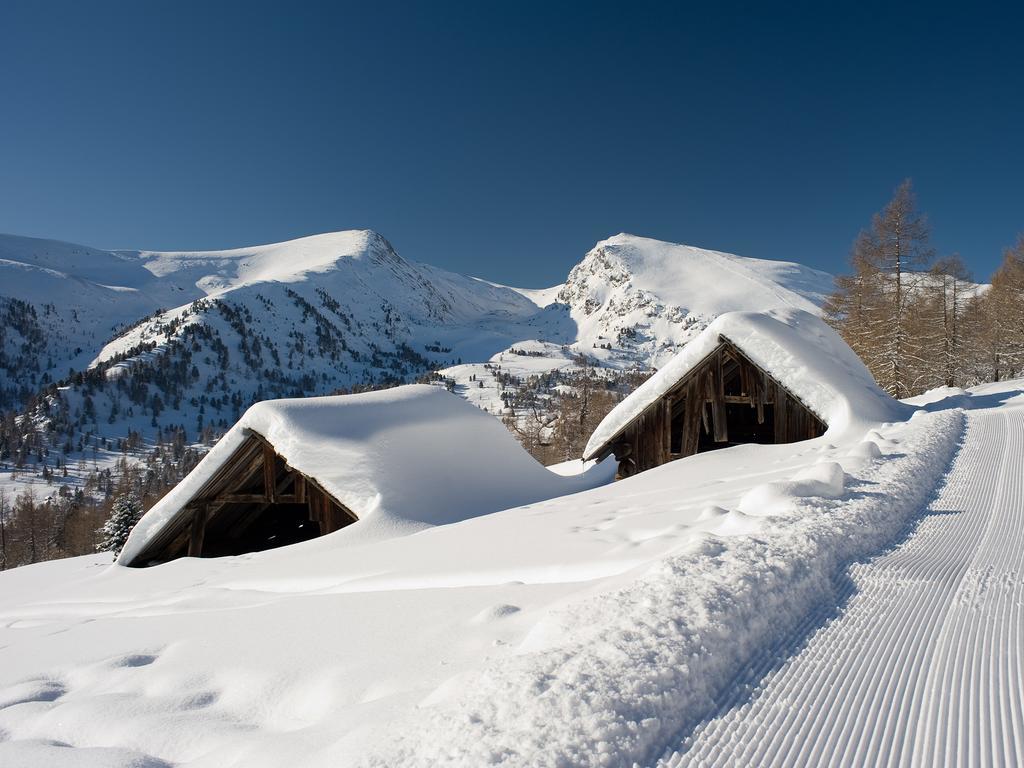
{"points": [[866, 449], [798, 349], [607, 679], [592, 629], [401, 459], [826, 480]]}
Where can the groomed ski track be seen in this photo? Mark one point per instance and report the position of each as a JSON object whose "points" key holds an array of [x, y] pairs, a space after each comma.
{"points": [[921, 664]]}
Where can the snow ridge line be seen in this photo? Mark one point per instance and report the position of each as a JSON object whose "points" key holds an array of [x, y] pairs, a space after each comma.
{"points": [[924, 664], [619, 676]]}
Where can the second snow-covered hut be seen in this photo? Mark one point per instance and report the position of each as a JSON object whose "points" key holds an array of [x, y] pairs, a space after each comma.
{"points": [[749, 377]]}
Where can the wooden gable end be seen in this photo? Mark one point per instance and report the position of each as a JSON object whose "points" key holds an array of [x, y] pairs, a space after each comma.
{"points": [[254, 501], [725, 399]]}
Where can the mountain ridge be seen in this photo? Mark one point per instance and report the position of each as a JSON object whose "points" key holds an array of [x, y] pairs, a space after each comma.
{"points": [[107, 344]]}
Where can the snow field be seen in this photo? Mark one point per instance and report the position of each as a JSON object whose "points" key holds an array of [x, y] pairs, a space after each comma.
{"points": [[652, 618], [591, 629], [923, 662], [609, 679]]}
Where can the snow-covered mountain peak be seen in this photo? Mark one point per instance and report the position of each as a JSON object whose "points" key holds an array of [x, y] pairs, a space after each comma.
{"points": [[103, 268], [657, 295], [701, 280], [215, 272]]}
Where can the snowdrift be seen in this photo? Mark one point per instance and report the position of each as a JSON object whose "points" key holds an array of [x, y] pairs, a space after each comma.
{"points": [[798, 349], [596, 628], [401, 459]]}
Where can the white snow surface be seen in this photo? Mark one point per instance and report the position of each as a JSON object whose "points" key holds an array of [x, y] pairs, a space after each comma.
{"points": [[401, 459], [918, 660], [596, 628], [797, 348]]}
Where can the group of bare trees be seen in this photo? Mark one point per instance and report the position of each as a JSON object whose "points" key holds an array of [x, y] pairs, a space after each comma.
{"points": [[919, 322], [556, 427], [34, 527], [45, 522]]}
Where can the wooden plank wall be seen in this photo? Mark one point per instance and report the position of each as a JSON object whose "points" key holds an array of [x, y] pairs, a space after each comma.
{"points": [[254, 465], [702, 400]]}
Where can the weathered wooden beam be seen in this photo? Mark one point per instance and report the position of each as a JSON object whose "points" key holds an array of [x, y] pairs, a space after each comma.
{"points": [[315, 501], [247, 474], [269, 473], [718, 403], [761, 384], [748, 387], [256, 498], [781, 415], [666, 447], [240, 498], [332, 517], [692, 418], [300, 488], [198, 531], [738, 400]]}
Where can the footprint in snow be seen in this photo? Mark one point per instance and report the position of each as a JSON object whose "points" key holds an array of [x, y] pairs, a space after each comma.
{"points": [[200, 700], [133, 660], [494, 612], [30, 691]]}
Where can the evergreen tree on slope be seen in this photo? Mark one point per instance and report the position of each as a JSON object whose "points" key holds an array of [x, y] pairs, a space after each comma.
{"points": [[124, 514]]}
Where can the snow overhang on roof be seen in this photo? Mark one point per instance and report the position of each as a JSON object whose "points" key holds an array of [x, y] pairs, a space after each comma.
{"points": [[796, 348], [399, 459]]}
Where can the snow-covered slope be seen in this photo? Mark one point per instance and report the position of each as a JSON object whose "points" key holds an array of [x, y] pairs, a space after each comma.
{"points": [[644, 295], [919, 665], [366, 288], [60, 304], [633, 302], [598, 628], [77, 298]]}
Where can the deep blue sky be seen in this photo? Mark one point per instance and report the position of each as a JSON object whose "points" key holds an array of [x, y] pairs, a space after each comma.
{"points": [[504, 140]]}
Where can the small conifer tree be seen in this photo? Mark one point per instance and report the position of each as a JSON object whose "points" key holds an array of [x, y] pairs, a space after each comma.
{"points": [[125, 512]]}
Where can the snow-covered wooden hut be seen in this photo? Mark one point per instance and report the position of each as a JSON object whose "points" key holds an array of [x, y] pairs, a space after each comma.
{"points": [[749, 377], [395, 461]]}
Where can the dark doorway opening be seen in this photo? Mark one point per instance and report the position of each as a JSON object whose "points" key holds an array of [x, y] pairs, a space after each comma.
{"points": [[255, 501]]}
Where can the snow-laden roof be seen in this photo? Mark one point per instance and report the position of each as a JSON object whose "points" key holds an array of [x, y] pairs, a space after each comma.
{"points": [[401, 459], [798, 349]]}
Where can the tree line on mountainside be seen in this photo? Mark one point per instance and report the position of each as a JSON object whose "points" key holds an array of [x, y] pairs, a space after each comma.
{"points": [[553, 414], [920, 322]]}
